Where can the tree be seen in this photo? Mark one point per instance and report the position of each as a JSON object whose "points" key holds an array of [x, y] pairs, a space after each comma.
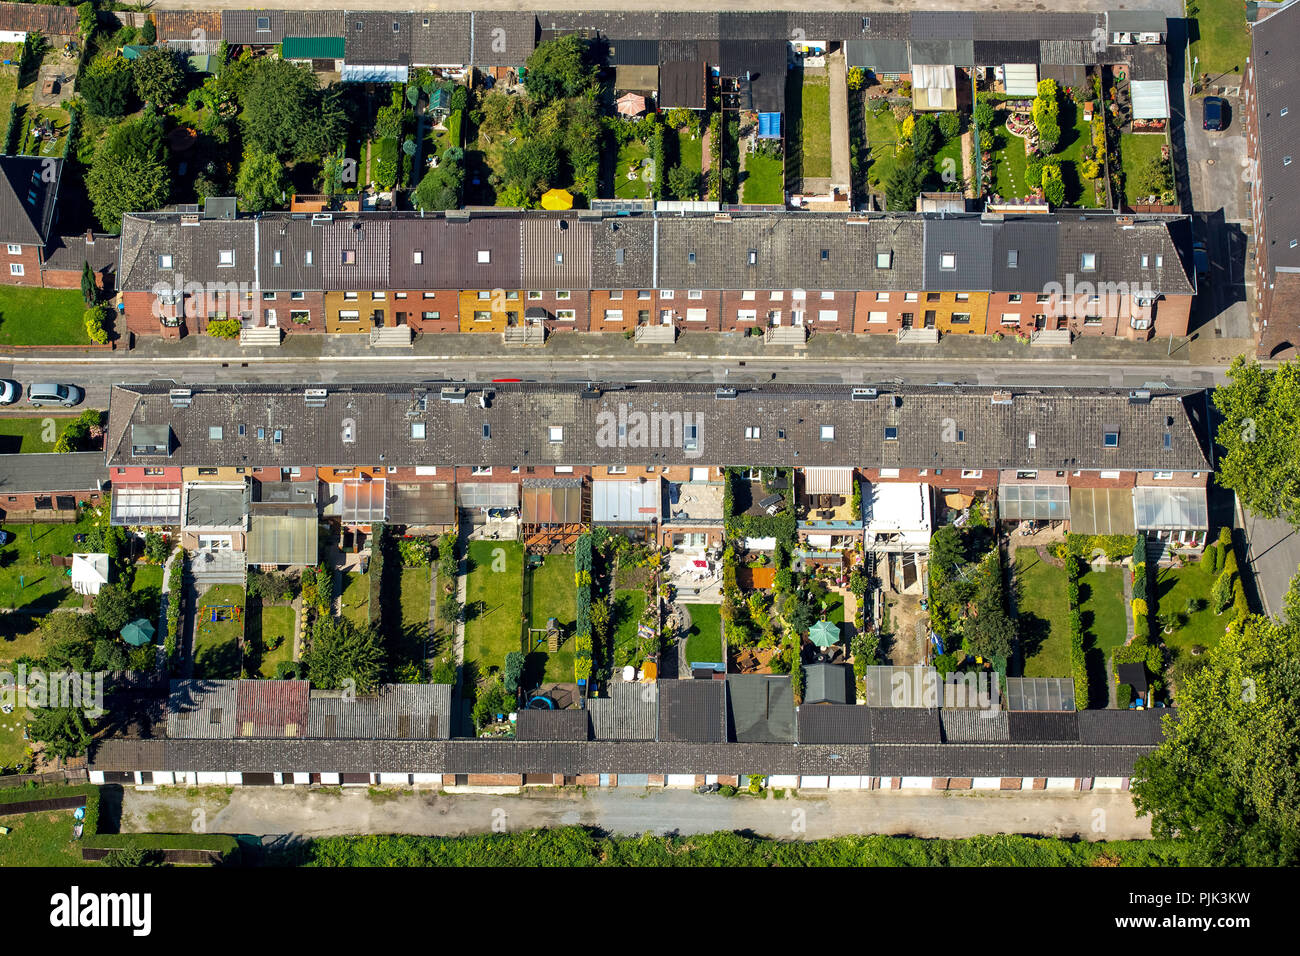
{"points": [[442, 187], [107, 88], [1260, 436], [150, 32], [129, 171], [261, 181], [950, 125], [65, 731], [1224, 781], [285, 113], [925, 138], [946, 549], [89, 291], [514, 671], [991, 631], [904, 183], [533, 166], [559, 68], [96, 321], [1154, 177], [116, 606], [492, 700], [342, 651], [86, 18], [684, 182], [159, 76], [1053, 184]]}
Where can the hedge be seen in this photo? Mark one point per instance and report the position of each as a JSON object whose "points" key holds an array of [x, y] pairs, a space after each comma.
{"points": [[1078, 663], [1116, 547]]}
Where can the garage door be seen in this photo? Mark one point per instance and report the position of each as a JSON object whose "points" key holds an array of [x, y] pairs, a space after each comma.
{"points": [[916, 783], [986, 783], [259, 779], [634, 780], [676, 779]]}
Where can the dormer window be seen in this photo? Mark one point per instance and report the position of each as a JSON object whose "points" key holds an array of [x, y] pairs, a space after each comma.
{"points": [[263, 24], [417, 431], [1013, 258], [828, 432], [165, 261], [417, 257], [555, 434], [226, 257], [484, 256], [753, 257], [891, 433]]}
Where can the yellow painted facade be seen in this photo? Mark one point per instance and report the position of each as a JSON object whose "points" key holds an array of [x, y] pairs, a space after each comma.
{"points": [[958, 304], [227, 474], [355, 311], [490, 310]]}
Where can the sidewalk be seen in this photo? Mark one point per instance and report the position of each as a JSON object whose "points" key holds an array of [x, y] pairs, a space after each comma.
{"points": [[1203, 349]]}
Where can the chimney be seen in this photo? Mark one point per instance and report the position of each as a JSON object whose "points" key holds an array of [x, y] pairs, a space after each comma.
{"points": [[90, 237]]}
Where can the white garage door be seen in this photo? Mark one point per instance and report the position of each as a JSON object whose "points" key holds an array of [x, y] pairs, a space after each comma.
{"points": [[917, 783], [1108, 783], [681, 780], [783, 781], [847, 783], [1060, 783], [814, 783], [986, 783]]}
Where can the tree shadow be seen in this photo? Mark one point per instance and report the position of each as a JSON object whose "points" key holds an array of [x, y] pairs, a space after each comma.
{"points": [[1034, 631]]}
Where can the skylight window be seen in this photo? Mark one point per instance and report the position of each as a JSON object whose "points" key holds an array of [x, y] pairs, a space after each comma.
{"points": [[948, 260], [417, 431], [1111, 439]]}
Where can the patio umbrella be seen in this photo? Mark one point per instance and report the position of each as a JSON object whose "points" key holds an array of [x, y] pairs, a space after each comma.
{"points": [[138, 633], [557, 199], [824, 633]]}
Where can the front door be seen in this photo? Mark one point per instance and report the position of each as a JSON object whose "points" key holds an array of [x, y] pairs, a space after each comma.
{"points": [[271, 321], [929, 320], [907, 320], [1040, 323]]}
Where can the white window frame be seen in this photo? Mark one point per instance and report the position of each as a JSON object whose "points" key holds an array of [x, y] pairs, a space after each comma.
{"points": [[555, 434], [16, 269]]}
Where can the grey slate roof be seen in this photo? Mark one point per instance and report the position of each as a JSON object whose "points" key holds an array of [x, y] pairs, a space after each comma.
{"points": [[1043, 726], [835, 724], [439, 38], [239, 27], [299, 246], [1136, 728], [556, 253], [971, 725], [997, 52], [503, 38], [27, 198], [912, 725], [942, 52], [1068, 427], [1135, 21], [50, 473], [761, 708], [764, 62], [70, 253], [828, 682], [1024, 256], [396, 712], [622, 254], [1275, 55], [195, 250], [208, 506], [630, 712], [1118, 255], [551, 725], [692, 711], [882, 56], [377, 38], [971, 243]]}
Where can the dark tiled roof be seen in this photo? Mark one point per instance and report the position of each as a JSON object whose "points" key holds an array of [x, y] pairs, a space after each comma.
{"points": [[439, 38], [450, 254], [630, 712], [241, 26], [972, 725], [682, 84], [354, 254], [1132, 728], [195, 250], [1024, 256], [692, 711], [761, 708], [49, 473], [70, 253], [1275, 56], [996, 52], [551, 725], [629, 52], [831, 683], [916, 725], [556, 253], [298, 244], [882, 56], [970, 242], [942, 52], [271, 708], [202, 709], [503, 38], [1119, 251], [27, 198], [1068, 427], [623, 254], [396, 712], [377, 38], [835, 724], [764, 62], [1043, 726]]}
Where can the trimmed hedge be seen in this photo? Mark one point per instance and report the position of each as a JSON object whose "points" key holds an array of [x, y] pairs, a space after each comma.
{"points": [[1078, 663]]}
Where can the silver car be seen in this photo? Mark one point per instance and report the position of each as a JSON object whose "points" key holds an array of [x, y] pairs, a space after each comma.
{"points": [[9, 391], [47, 393]]}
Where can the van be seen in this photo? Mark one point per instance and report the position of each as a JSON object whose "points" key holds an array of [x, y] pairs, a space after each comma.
{"points": [[47, 393]]}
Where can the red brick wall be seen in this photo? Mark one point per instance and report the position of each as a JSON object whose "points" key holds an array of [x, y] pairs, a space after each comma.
{"points": [[893, 307], [578, 302], [603, 299], [313, 303], [30, 259], [26, 501], [134, 474], [681, 302], [445, 302]]}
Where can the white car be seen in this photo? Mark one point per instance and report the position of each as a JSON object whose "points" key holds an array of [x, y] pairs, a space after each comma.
{"points": [[9, 391]]}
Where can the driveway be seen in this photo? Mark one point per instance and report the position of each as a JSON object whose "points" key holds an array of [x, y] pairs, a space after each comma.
{"points": [[810, 815]]}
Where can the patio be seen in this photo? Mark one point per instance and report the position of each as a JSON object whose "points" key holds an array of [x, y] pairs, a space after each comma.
{"points": [[695, 501], [697, 579]]}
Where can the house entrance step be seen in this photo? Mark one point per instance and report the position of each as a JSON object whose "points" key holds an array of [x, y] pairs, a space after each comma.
{"points": [[260, 336], [916, 336], [1049, 337], [796, 335], [526, 335], [651, 334], [393, 336]]}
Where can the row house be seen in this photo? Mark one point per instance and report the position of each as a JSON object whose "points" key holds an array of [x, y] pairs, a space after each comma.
{"points": [[867, 465], [1269, 100], [494, 272], [35, 254]]}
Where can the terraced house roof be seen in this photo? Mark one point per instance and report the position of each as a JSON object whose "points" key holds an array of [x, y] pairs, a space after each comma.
{"points": [[269, 27], [531, 424], [171, 250], [29, 189]]}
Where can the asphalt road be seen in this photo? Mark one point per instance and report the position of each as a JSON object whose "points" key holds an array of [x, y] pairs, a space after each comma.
{"points": [[810, 815]]}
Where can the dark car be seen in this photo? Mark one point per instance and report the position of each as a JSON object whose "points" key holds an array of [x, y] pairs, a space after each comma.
{"points": [[1212, 113]]}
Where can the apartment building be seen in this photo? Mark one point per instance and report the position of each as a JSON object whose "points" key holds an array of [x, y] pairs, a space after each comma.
{"points": [[1269, 98], [491, 272]]}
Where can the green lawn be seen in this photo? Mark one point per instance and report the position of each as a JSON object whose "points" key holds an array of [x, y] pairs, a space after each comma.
{"points": [[764, 182], [554, 596], [882, 141], [28, 435], [12, 745], [1009, 162], [834, 608], [629, 605], [1075, 136], [1136, 150], [412, 643], [277, 624], [690, 152], [1044, 616], [494, 603], [29, 584], [1224, 38], [217, 655], [633, 153], [1174, 587], [40, 839], [1101, 599], [947, 162], [815, 131], [147, 582], [704, 643], [20, 636], [356, 598], [42, 316]]}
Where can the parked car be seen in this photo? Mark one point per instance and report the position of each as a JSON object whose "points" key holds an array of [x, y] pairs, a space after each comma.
{"points": [[1212, 113], [1201, 258], [9, 391], [48, 393]]}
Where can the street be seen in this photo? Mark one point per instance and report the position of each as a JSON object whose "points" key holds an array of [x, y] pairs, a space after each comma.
{"points": [[809, 815]]}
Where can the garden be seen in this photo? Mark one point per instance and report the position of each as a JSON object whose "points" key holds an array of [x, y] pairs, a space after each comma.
{"points": [[219, 633], [704, 639], [910, 153], [808, 125], [270, 629], [550, 596], [62, 312], [660, 156], [28, 582], [493, 605]]}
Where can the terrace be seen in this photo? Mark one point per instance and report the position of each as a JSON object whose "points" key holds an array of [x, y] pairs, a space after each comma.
{"points": [[695, 502], [696, 578]]}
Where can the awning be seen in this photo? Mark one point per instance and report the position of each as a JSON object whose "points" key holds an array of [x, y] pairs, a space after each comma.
{"points": [[312, 48], [626, 502], [1170, 509], [422, 503], [89, 572], [552, 504], [1033, 502], [280, 539], [820, 540], [1101, 511], [364, 500], [356, 73], [1150, 99], [146, 505], [1021, 79], [487, 494], [828, 481]]}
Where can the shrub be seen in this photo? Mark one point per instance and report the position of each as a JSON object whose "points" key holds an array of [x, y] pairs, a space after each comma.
{"points": [[224, 328], [1139, 607], [1124, 696], [950, 125], [415, 552], [96, 321], [1053, 185]]}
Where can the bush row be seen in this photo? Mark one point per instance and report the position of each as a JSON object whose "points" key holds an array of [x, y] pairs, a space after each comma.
{"points": [[1078, 665]]}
